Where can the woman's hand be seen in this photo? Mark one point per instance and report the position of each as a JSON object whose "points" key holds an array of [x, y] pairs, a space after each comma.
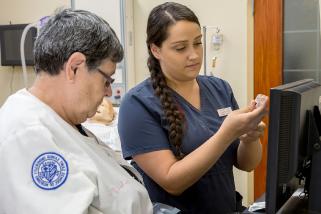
{"points": [[247, 122], [255, 134]]}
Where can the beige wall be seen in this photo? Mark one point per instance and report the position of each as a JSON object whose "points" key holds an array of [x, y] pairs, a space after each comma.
{"points": [[234, 58], [18, 12]]}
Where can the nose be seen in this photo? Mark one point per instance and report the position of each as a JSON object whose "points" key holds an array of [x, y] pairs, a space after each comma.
{"points": [[108, 91], [193, 54]]}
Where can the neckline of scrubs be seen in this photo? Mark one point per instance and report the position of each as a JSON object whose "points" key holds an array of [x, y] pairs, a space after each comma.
{"points": [[182, 99]]}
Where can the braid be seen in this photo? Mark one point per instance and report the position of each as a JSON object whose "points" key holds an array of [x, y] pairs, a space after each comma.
{"points": [[172, 114], [159, 20]]}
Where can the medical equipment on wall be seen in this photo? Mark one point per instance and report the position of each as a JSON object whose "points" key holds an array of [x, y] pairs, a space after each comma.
{"points": [[36, 25], [120, 15], [213, 40], [217, 39]]}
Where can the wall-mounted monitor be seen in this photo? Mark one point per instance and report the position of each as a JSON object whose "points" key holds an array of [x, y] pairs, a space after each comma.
{"points": [[10, 36]]}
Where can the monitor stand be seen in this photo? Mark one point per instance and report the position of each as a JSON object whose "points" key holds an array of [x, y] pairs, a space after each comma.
{"points": [[297, 203]]}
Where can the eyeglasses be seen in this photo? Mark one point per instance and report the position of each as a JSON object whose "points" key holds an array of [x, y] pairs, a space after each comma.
{"points": [[109, 80]]}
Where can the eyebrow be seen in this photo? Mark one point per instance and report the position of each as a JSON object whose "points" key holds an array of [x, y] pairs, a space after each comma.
{"points": [[184, 41]]}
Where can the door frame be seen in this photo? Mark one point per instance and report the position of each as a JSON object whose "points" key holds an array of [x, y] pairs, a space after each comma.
{"points": [[268, 66]]}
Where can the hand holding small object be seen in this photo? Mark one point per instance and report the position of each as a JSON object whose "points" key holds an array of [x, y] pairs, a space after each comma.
{"points": [[260, 99]]}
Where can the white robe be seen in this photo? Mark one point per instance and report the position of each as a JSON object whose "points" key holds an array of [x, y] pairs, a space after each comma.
{"points": [[88, 176]]}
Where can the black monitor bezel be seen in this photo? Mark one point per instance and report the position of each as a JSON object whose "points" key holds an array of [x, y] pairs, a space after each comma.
{"points": [[297, 112], [14, 62]]}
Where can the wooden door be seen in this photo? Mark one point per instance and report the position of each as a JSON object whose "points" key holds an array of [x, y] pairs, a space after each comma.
{"points": [[268, 65]]}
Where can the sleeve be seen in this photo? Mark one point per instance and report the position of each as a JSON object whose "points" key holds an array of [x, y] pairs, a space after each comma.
{"points": [[140, 131], [236, 143], [37, 177], [234, 146], [222, 89], [233, 101]]}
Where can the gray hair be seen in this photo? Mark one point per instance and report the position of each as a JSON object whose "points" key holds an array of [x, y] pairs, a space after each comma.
{"points": [[71, 31]]}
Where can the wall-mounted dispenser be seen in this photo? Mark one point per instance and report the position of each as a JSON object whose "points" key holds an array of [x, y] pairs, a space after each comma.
{"points": [[213, 40], [217, 39]]}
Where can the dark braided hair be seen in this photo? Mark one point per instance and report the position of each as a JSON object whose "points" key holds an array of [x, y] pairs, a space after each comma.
{"points": [[160, 19]]}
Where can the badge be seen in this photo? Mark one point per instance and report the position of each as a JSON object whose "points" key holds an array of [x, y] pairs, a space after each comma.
{"points": [[224, 111], [49, 171]]}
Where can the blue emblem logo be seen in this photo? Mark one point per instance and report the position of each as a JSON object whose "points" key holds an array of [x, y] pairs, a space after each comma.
{"points": [[49, 171]]}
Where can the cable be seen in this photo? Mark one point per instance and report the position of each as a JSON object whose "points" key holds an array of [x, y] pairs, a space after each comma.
{"points": [[36, 25], [22, 52], [11, 80]]}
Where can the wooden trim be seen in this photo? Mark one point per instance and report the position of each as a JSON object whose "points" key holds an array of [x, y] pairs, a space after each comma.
{"points": [[268, 65]]}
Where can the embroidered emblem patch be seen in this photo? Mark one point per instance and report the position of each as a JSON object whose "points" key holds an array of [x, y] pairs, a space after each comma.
{"points": [[49, 171]]}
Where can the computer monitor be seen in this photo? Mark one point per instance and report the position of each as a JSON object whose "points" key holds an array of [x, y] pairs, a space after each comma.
{"points": [[10, 36], [294, 157]]}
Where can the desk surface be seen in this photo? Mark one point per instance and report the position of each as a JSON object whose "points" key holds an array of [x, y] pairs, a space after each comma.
{"points": [[260, 199]]}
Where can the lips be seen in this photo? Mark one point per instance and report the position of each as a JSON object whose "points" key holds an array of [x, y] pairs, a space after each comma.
{"points": [[192, 65]]}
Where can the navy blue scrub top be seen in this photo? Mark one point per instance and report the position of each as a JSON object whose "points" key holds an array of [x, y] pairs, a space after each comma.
{"points": [[143, 128]]}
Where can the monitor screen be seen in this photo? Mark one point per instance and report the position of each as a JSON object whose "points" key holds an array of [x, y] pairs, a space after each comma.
{"points": [[294, 120], [10, 36]]}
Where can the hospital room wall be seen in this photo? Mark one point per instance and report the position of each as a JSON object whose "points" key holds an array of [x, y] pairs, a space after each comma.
{"points": [[18, 12], [234, 59]]}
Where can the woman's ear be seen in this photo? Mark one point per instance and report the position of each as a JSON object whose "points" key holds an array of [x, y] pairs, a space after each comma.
{"points": [[155, 50], [73, 63]]}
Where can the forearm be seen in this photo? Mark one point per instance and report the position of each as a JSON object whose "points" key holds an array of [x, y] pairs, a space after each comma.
{"points": [[249, 155], [184, 173], [175, 176]]}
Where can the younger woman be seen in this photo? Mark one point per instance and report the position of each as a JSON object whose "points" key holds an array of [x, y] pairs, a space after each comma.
{"points": [[183, 131]]}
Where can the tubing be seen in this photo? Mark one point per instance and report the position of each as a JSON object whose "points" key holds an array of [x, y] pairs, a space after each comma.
{"points": [[22, 52]]}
